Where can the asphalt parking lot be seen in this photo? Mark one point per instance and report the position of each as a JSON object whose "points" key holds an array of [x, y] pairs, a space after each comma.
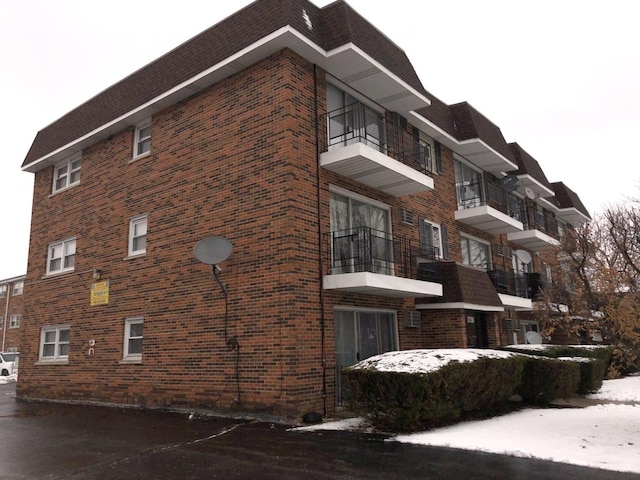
{"points": [[54, 441]]}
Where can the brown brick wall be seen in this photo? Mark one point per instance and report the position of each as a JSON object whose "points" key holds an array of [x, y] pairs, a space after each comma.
{"points": [[237, 160]]}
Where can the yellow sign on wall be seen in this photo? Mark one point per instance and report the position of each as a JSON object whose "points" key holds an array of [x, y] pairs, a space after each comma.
{"points": [[100, 293]]}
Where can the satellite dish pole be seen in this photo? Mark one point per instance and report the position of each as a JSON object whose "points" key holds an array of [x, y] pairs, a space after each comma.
{"points": [[212, 251]]}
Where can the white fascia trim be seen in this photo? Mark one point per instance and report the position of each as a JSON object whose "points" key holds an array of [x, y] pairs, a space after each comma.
{"points": [[278, 33], [495, 152], [540, 185], [269, 38], [574, 211], [519, 303], [551, 206], [422, 119], [13, 279], [356, 49], [458, 305]]}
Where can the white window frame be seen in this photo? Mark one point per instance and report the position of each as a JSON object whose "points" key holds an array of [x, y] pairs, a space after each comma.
{"points": [[126, 355], [18, 287], [57, 343], [133, 224], [64, 245], [464, 237], [3, 290], [14, 321], [436, 226], [67, 176], [140, 139], [1, 320]]}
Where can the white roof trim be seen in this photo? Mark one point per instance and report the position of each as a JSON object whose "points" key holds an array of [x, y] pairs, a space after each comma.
{"points": [[458, 305]]}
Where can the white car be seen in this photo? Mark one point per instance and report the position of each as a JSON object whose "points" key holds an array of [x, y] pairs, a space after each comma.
{"points": [[8, 363]]}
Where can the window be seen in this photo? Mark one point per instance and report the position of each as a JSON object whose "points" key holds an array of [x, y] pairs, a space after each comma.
{"points": [[67, 174], [475, 252], [3, 290], [423, 150], [1, 320], [361, 334], [54, 343], [138, 235], [133, 339], [14, 322], [62, 256], [142, 142], [469, 186], [430, 239], [361, 234], [18, 288]]}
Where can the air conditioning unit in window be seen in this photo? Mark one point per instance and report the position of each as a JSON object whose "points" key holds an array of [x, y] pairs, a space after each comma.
{"points": [[412, 318]]}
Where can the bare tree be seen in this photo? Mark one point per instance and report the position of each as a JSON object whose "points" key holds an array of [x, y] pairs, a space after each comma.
{"points": [[597, 283]]}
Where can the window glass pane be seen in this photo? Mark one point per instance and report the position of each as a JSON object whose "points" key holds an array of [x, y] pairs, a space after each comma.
{"points": [[64, 350], [345, 338], [139, 244], [135, 329], [49, 337], [368, 335], [75, 177], [69, 261], [339, 212], [135, 346], [64, 335], [48, 350]]}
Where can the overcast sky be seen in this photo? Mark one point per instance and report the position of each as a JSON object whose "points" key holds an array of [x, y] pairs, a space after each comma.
{"points": [[562, 78]]}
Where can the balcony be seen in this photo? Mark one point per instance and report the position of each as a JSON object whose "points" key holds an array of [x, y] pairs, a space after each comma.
{"points": [[512, 287], [488, 207], [365, 260], [540, 230], [364, 147]]}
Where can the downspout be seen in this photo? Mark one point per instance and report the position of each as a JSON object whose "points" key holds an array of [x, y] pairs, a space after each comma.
{"points": [[320, 262], [6, 312]]}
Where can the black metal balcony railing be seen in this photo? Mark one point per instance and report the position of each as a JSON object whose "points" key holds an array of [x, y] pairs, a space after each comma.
{"points": [[540, 219], [477, 192], [357, 123], [509, 282], [365, 249]]}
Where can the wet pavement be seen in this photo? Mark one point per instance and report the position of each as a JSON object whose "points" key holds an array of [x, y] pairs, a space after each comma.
{"points": [[54, 441]]}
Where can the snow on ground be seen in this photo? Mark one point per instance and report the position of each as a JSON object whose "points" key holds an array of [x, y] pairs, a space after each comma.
{"points": [[9, 379], [602, 436]]}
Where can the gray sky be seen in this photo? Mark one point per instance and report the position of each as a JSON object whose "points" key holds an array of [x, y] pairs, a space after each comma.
{"points": [[561, 77]]}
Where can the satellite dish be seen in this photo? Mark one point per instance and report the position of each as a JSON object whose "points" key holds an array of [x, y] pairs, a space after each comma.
{"points": [[523, 256], [212, 250], [533, 338], [510, 182], [530, 193]]}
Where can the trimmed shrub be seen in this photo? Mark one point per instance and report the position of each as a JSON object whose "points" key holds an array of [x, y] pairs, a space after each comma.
{"points": [[407, 402], [592, 373], [546, 379]]}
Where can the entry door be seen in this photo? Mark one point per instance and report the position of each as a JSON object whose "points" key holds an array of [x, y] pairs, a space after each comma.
{"points": [[360, 335], [477, 333]]}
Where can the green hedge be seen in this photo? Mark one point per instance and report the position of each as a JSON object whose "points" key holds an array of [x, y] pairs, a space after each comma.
{"points": [[592, 373], [546, 379], [410, 402], [396, 401]]}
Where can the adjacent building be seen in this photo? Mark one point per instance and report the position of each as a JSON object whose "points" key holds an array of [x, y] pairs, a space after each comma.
{"points": [[364, 215], [11, 310]]}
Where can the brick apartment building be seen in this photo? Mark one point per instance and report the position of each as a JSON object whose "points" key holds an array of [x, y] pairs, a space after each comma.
{"points": [[11, 310], [364, 215]]}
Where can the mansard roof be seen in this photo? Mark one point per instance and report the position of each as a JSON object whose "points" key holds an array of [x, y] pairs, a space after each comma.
{"points": [[250, 34]]}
